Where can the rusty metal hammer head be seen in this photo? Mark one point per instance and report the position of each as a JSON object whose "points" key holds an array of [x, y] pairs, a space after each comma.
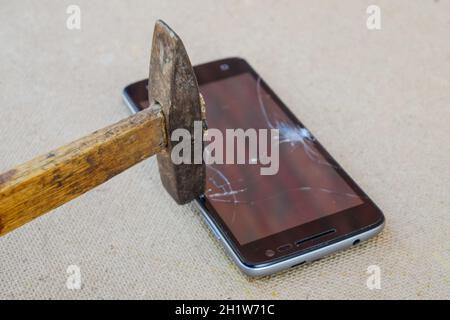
{"points": [[173, 86]]}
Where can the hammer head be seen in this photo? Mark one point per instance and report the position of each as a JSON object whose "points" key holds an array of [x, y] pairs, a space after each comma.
{"points": [[173, 85]]}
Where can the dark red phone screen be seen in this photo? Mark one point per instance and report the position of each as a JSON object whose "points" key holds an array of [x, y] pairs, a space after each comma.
{"points": [[305, 188]]}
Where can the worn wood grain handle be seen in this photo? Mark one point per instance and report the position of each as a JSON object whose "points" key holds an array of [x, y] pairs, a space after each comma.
{"points": [[48, 181]]}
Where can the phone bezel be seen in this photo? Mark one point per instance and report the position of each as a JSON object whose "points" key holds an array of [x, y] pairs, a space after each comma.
{"points": [[346, 223]]}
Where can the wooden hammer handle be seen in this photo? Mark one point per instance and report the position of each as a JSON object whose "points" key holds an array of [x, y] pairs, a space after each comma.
{"points": [[48, 181]]}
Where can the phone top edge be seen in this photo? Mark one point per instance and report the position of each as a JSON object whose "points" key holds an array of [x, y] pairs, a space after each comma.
{"points": [[222, 60]]}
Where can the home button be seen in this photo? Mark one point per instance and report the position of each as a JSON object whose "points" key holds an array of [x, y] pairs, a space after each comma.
{"points": [[270, 253]]}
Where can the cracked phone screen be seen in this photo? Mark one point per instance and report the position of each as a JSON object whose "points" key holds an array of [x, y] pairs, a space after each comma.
{"points": [[254, 206]]}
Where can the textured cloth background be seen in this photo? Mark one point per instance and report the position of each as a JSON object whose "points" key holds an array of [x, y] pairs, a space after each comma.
{"points": [[378, 100]]}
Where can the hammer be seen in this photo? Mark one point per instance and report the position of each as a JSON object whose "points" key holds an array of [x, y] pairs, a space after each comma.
{"points": [[48, 181]]}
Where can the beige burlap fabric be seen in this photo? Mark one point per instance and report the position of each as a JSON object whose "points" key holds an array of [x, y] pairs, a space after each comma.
{"points": [[378, 100]]}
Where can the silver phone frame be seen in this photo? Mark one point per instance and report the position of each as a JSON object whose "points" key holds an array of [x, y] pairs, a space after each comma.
{"points": [[271, 268]]}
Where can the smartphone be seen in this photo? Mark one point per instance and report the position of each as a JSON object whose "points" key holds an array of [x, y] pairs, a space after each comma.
{"points": [[267, 223]]}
